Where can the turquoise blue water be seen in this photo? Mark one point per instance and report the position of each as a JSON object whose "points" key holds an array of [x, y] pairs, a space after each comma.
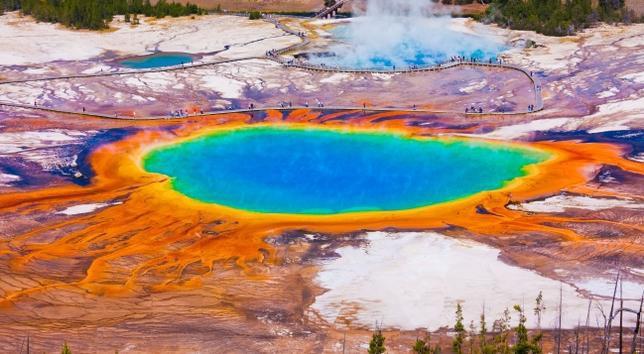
{"points": [[413, 47], [157, 61], [319, 171]]}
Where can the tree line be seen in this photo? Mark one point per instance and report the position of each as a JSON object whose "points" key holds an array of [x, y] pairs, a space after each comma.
{"points": [[557, 17], [502, 338], [96, 14], [553, 17]]}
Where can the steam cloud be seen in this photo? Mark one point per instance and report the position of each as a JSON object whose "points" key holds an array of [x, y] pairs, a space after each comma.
{"points": [[404, 33]]}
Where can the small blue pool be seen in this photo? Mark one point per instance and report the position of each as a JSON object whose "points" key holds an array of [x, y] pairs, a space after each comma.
{"points": [[158, 60]]}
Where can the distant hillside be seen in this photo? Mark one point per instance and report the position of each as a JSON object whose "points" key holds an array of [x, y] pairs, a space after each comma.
{"points": [[260, 5], [96, 14], [556, 17], [469, 7], [551, 17]]}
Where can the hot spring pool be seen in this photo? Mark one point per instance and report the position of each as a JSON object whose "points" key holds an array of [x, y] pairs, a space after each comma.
{"points": [[383, 42], [317, 171], [159, 60]]}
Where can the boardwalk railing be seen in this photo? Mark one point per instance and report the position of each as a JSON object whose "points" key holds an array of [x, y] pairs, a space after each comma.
{"points": [[536, 84], [129, 72], [408, 110], [277, 56]]}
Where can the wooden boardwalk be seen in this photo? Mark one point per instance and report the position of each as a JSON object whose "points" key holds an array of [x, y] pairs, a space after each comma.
{"points": [[277, 56], [4, 104]]}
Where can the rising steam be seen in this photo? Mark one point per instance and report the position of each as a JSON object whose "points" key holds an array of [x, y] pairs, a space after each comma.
{"points": [[404, 33]]}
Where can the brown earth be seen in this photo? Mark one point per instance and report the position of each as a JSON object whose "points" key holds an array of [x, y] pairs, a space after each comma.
{"points": [[311, 6], [262, 5], [314, 5], [636, 5]]}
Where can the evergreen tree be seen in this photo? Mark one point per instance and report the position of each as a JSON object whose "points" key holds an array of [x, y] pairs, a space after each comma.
{"points": [[459, 328], [424, 346], [420, 347], [471, 337], [9, 5], [538, 310], [377, 343], [554, 17], [136, 6], [65, 349], [484, 346], [95, 14], [524, 344], [147, 10], [502, 327]]}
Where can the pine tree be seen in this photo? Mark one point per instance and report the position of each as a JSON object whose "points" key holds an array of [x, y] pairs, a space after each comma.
{"points": [[424, 346], [65, 349], [539, 308], [420, 347], [329, 3], [501, 327], [377, 343], [471, 337], [457, 343], [553, 17], [136, 6], [484, 346], [95, 14], [524, 344]]}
